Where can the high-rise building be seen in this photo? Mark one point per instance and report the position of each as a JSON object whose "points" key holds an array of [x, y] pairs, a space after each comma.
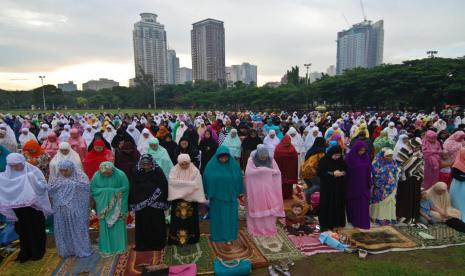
{"points": [[173, 67], [67, 87], [208, 50], [150, 48], [314, 76], [360, 46], [331, 70], [101, 83], [185, 75], [245, 72]]}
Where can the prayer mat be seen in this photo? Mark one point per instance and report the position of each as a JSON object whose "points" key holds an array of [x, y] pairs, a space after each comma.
{"points": [[310, 245], [45, 266], [201, 254], [133, 262], [95, 264], [250, 251], [444, 236], [379, 239], [277, 248]]}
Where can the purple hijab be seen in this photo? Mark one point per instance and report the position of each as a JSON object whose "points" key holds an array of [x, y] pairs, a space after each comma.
{"points": [[358, 186]]}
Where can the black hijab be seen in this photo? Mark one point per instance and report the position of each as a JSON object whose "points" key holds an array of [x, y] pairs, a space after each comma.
{"points": [[319, 146]]}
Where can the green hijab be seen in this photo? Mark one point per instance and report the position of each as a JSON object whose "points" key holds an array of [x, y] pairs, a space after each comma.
{"points": [[110, 193], [223, 181], [3, 154], [161, 156]]}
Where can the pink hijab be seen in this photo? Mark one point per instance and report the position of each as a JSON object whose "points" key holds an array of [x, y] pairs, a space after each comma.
{"points": [[454, 143], [51, 144], [432, 154], [77, 143]]}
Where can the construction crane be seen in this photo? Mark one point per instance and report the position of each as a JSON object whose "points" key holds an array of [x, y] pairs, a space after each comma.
{"points": [[363, 11], [345, 18]]}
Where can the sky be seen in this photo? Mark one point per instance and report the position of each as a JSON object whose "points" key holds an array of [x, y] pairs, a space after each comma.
{"points": [[89, 39]]}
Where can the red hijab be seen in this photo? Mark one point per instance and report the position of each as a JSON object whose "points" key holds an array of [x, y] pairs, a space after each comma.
{"points": [[287, 159], [94, 158]]}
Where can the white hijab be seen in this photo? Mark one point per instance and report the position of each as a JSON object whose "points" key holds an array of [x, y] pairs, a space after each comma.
{"points": [[25, 188], [135, 133], [72, 156], [271, 143], [23, 138], [143, 143]]}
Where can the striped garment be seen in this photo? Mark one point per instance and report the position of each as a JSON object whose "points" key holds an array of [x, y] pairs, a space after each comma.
{"points": [[411, 162]]}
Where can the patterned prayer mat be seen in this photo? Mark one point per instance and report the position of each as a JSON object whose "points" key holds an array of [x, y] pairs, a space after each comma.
{"points": [[379, 239], [201, 254], [95, 264], [310, 245], [277, 248], [133, 262], [441, 235], [250, 251], [43, 267]]}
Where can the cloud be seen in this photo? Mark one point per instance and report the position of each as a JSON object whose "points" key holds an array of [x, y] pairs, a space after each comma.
{"points": [[57, 37]]}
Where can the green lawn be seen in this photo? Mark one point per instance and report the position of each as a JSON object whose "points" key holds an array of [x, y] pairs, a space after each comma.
{"points": [[447, 261]]}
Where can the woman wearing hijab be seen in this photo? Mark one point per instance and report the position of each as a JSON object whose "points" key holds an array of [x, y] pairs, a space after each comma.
{"points": [[185, 147], [454, 143], [457, 188], [358, 185], [25, 136], [148, 199], [314, 132], [410, 160], [8, 140], [223, 185], [401, 142], [99, 136], [65, 134], [35, 155], [432, 157], [386, 174], [308, 171], [132, 131], [3, 154], [233, 143], [110, 188], [287, 159], [298, 143], [69, 192], [192, 135], [143, 143], [264, 197], [50, 145], [213, 133], [24, 199], [95, 157], [77, 143], [162, 132], [126, 158], [249, 144], [441, 203], [271, 141], [185, 192], [109, 133], [64, 153], [331, 170], [179, 132], [207, 147], [160, 156], [382, 142], [43, 133], [170, 147]]}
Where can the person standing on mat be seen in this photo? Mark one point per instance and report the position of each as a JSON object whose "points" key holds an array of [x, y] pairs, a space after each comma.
{"points": [[148, 199], [109, 188], [223, 185], [24, 199], [358, 185], [287, 159]]}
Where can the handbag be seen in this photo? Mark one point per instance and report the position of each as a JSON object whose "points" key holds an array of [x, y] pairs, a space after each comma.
{"points": [[232, 268]]}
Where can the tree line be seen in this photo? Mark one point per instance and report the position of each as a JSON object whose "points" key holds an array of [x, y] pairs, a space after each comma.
{"points": [[415, 84]]}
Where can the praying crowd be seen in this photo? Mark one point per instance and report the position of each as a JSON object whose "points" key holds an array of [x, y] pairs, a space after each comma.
{"points": [[164, 173]]}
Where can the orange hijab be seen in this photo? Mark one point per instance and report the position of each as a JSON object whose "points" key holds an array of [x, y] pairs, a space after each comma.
{"points": [[37, 151]]}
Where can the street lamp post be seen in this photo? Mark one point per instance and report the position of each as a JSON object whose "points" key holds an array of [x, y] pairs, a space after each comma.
{"points": [[43, 90], [307, 66]]}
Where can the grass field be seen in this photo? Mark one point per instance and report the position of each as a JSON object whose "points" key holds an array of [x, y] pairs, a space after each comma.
{"points": [[95, 111], [447, 261]]}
